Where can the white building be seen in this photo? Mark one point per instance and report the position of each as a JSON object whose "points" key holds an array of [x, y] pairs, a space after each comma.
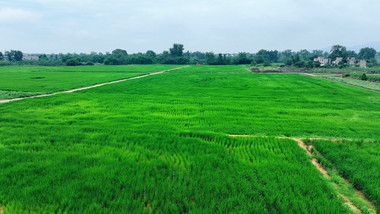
{"points": [[30, 57], [352, 61], [322, 60]]}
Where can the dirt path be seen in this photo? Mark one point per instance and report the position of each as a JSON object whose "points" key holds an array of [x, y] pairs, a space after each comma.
{"points": [[323, 171], [311, 75], [89, 87]]}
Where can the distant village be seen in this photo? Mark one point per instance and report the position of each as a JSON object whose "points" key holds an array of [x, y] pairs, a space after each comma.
{"points": [[25, 56], [351, 61], [30, 57]]}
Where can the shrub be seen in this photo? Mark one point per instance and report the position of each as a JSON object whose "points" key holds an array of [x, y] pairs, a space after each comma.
{"points": [[72, 62], [364, 77]]}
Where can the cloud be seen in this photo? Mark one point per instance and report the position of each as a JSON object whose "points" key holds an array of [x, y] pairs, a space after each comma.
{"points": [[214, 25], [12, 15]]}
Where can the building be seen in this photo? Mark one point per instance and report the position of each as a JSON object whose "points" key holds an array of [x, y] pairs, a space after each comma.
{"points": [[322, 60], [363, 63], [337, 60], [30, 57], [352, 61]]}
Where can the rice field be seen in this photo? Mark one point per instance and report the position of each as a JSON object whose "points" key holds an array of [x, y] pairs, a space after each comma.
{"points": [[159, 144], [357, 161], [28, 81]]}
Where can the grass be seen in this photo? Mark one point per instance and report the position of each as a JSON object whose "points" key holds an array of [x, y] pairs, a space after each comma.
{"points": [[158, 144], [26, 81]]}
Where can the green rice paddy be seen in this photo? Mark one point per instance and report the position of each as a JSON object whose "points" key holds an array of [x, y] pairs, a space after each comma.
{"points": [[159, 144]]}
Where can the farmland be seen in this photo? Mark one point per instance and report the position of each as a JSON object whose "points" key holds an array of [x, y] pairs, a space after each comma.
{"points": [[357, 161], [159, 144], [27, 81]]}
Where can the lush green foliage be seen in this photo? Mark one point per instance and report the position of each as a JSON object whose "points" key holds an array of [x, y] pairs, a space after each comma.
{"points": [[24, 81], [357, 161]]}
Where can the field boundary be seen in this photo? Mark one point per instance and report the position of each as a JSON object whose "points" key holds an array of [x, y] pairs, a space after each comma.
{"points": [[345, 83], [323, 171], [92, 86]]}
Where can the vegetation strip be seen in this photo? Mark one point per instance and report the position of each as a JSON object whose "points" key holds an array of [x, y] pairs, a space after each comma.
{"points": [[89, 87], [343, 82], [324, 172]]}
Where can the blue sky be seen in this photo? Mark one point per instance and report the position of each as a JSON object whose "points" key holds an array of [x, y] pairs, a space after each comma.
{"points": [[54, 26]]}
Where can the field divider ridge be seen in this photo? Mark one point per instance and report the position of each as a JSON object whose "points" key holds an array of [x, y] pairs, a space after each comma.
{"points": [[324, 172], [344, 83], [92, 86]]}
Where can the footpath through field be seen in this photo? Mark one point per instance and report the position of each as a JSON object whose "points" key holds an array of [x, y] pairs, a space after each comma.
{"points": [[92, 86], [347, 200]]}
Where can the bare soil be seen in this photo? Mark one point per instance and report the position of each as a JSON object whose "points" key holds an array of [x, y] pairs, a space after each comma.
{"points": [[320, 168], [350, 204]]}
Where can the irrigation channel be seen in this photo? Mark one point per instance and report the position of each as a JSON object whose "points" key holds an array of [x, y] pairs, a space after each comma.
{"points": [[92, 86]]}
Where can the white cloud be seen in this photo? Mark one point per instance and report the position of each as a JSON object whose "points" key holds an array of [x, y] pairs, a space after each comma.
{"points": [[12, 15]]}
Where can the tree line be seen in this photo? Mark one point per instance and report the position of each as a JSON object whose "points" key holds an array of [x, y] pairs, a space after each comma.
{"points": [[177, 55]]}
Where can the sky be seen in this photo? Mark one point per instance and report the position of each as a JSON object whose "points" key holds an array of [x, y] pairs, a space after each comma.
{"points": [[224, 26]]}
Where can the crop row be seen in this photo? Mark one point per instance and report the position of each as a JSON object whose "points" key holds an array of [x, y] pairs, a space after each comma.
{"points": [[357, 161], [189, 172]]}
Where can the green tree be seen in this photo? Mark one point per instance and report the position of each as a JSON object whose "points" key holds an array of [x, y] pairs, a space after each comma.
{"points": [[177, 50], [112, 60], [210, 58], [265, 55], [72, 62], [151, 54], [364, 76], [304, 54], [1, 56], [120, 53], [14, 55], [338, 51], [121, 57], [42, 57], [18, 55], [367, 53], [242, 58]]}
